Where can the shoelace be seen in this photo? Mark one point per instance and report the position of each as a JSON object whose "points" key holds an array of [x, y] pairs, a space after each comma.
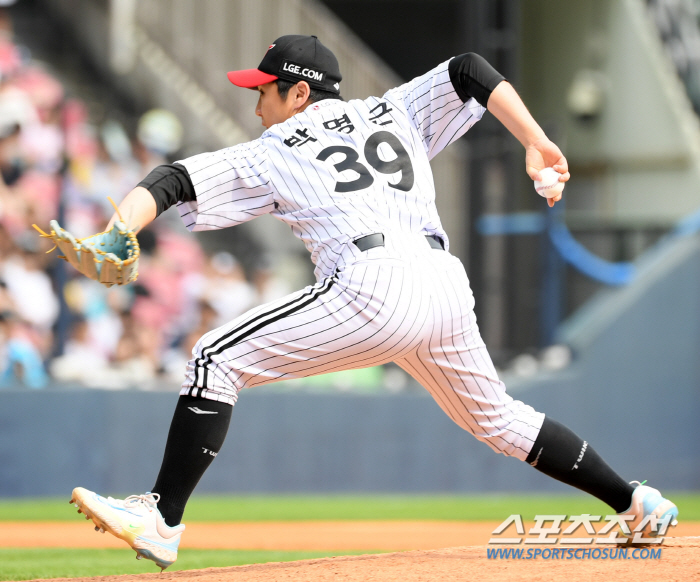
{"points": [[150, 500], [638, 483]]}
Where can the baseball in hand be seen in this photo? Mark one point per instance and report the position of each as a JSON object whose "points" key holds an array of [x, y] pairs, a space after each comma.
{"points": [[549, 186]]}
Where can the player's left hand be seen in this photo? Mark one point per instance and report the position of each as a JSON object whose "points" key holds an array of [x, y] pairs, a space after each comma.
{"points": [[111, 257], [545, 154]]}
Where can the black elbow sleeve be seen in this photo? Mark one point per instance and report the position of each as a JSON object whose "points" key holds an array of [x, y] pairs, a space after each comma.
{"points": [[169, 184], [473, 76]]}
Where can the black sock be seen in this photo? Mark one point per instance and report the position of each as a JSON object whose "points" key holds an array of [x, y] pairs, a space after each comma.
{"points": [[561, 454], [196, 434]]}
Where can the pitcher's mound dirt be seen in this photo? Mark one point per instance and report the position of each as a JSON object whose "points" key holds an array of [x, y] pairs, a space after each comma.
{"points": [[679, 561]]}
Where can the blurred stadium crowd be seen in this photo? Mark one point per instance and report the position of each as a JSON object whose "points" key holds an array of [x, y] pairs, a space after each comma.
{"points": [[56, 325]]}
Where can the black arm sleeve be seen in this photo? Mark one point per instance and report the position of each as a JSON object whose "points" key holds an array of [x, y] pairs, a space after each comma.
{"points": [[169, 184], [472, 76]]}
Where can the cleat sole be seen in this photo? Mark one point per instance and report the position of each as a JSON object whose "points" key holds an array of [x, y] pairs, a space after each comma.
{"points": [[159, 559]]}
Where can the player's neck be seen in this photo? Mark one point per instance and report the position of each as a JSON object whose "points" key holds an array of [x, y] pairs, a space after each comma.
{"points": [[306, 104]]}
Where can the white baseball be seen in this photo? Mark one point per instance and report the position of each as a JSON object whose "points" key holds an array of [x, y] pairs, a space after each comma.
{"points": [[549, 186]]}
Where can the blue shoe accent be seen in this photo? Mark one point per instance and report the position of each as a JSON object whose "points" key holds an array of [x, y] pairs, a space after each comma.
{"points": [[106, 502], [647, 501], [651, 501], [173, 546]]}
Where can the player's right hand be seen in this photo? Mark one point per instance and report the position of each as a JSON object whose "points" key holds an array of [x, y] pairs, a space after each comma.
{"points": [[545, 154]]}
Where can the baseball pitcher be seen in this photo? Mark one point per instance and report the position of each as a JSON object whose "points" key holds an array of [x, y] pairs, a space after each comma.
{"points": [[353, 181]]}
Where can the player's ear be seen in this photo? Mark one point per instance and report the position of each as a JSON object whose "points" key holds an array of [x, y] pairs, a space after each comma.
{"points": [[302, 91]]}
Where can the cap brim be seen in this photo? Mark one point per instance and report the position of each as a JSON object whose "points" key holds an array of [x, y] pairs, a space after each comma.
{"points": [[249, 78]]}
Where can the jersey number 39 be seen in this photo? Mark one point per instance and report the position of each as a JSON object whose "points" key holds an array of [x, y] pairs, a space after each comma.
{"points": [[400, 163]]}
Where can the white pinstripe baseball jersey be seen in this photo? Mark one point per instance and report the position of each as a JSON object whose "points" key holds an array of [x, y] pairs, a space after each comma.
{"points": [[336, 172]]}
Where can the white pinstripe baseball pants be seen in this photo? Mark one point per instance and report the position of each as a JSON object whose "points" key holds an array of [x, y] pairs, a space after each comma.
{"points": [[406, 303]]}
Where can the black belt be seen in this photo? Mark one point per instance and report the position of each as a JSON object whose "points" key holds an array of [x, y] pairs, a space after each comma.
{"points": [[377, 240]]}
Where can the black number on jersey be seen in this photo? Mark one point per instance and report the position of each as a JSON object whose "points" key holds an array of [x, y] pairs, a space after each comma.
{"points": [[349, 163], [402, 162]]}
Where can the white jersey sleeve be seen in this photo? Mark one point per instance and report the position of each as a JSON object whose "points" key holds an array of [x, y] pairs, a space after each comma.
{"points": [[435, 110], [232, 186]]}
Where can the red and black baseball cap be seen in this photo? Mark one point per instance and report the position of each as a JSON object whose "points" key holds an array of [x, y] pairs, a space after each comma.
{"points": [[293, 58]]}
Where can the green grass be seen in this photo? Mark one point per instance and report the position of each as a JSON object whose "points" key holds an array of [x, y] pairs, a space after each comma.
{"points": [[26, 564], [355, 507]]}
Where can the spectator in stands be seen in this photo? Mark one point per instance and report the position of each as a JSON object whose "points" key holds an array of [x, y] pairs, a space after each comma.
{"points": [[20, 361], [82, 361], [50, 153], [137, 358], [30, 288], [226, 288]]}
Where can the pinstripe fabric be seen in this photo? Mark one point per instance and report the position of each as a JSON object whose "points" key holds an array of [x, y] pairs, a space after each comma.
{"points": [[267, 175], [324, 172], [452, 363], [404, 302]]}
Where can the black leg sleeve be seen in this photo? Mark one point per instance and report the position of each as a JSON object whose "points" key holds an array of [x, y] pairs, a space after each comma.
{"points": [[559, 453], [196, 434]]}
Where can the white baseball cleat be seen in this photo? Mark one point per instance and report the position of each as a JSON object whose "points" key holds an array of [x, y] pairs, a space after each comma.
{"points": [[136, 520], [648, 501]]}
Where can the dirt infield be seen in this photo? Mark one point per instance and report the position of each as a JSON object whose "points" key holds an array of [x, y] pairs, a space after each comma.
{"points": [[679, 562], [312, 535]]}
